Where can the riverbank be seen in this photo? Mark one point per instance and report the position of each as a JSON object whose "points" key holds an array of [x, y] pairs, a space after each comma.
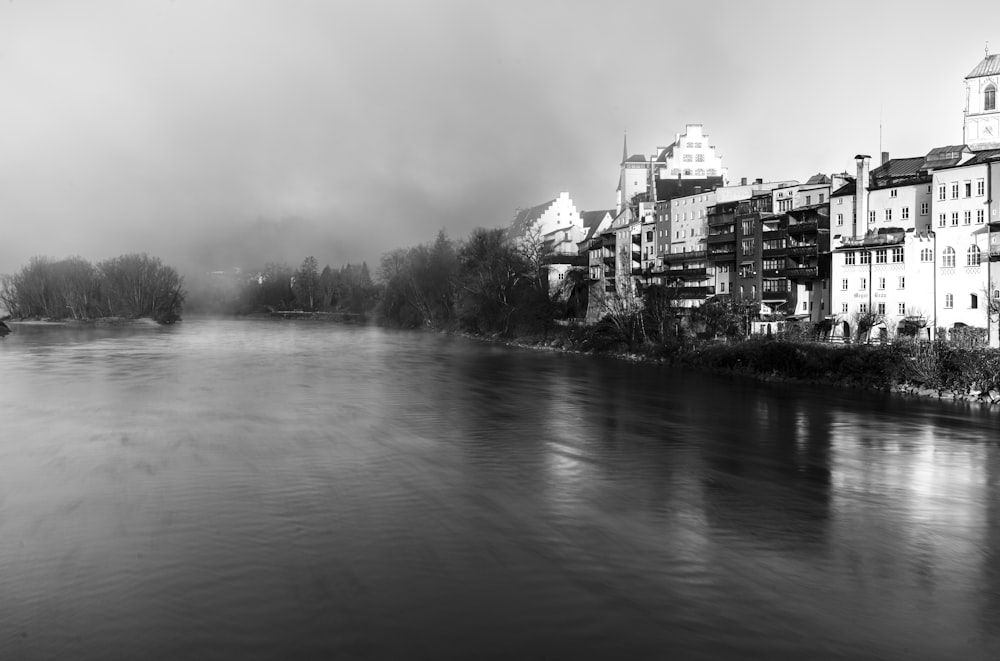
{"points": [[931, 370], [101, 321]]}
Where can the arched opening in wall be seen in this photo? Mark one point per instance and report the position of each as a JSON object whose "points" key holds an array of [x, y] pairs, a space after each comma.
{"points": [[990, 97]]}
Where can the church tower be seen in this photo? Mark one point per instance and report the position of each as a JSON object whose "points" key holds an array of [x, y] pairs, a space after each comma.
{"points": [[981, 129]]}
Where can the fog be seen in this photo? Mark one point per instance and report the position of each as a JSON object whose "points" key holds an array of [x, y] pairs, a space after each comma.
{"points": [[220, 134]]}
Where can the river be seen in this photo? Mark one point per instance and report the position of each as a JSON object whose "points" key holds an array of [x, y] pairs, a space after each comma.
{"points": [[227, 489]]}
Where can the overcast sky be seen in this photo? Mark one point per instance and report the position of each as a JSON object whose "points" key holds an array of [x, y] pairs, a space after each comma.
{"points": [[216, 134]]}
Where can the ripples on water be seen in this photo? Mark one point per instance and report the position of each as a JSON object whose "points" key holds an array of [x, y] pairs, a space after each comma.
{"points": [[257, 490]]}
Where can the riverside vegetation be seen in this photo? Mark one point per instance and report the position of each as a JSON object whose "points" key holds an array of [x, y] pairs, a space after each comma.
{"points": [[489, 286]]}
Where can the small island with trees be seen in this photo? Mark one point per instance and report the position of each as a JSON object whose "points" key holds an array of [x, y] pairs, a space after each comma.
{"points": [[127, 287]]}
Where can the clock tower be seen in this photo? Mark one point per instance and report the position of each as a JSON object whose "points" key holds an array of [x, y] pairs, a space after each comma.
{"points": [[981, 129]]}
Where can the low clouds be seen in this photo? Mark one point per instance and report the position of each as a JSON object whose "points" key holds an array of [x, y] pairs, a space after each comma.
{"points": [[210, 133]]}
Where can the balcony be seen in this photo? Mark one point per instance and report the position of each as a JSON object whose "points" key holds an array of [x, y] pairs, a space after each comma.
{"points": [[726, 253], [695, 292], [685, 273], [798, 272], [684, 256], [775, 296], [994, 253], [770, 234], [810, 226], [890, 238], [725, 237], [572, 260], [637, 239], [799, 249], [609, 260], [775, 252]]}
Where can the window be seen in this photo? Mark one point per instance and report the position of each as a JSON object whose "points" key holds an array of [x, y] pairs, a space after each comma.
{"points": [[954, 190], [926, 255], [881, 308], [863, 308], [905, 213], [849, 257], [843, 308], [980, 187], [864, 283], [902, 282], [809, 200], [843, 284], [967, 187], [840, 219], [871, 216], [881, 283], [866, 257], [722, 287], [881, 256], [949, 301], [893, 192], [954, 218], [687, 158], [699, 158], [888, 215], [687, 172], [968, 217], [924, 208], [990, 97], [972, 256], [805, 305], [979, 216], [948, 258], [821, 198], [901, 310], [973, 301], [942, 220], [942, 190], [699, 172], [897, 255], [710, 172]]}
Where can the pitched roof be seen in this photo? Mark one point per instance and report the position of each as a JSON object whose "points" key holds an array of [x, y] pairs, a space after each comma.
{"points": [[636, 158], [524, 218], [899, 167], [591, 221], [818, 179], [990, 66], [850, 188], [984, 156], [668, 189]]}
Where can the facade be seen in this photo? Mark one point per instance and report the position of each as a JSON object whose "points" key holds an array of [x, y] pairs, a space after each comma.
{"points": [[689, 157], [981, 126], [542, 219]]}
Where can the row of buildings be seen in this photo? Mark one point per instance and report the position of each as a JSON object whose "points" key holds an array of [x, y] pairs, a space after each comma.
{"points": [[913, 239]]}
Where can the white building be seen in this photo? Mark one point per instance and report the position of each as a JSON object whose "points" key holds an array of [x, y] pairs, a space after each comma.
{"points": [[981, 128]]}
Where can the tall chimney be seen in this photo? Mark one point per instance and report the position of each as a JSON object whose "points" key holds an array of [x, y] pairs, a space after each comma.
{"points": [[885, 158], [861, 194], [743, 181]]}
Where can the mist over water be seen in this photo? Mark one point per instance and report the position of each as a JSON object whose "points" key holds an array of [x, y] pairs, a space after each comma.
{"points": [[258, 490]]}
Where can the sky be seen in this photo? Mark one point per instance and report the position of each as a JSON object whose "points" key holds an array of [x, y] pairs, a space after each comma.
{"points": [[216, 134]]}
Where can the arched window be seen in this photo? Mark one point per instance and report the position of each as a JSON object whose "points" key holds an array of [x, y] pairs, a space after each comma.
{"points": [[990, 97], [948, 257], [972, 256], [926, 255]]}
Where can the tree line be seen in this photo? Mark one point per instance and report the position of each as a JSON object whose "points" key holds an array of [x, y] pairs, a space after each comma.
{"points": [[129, 286]]}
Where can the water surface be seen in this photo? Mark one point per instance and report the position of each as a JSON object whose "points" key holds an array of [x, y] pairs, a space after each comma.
{"points": [[269, 489]]}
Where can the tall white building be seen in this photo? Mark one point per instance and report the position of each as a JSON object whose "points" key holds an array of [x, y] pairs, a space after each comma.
{"points": [[981, 129]]}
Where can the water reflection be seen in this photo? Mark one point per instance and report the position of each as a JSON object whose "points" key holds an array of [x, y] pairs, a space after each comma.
{"points": [[269, 489]]}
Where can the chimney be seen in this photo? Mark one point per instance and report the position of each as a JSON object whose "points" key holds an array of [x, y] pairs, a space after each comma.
{"points": [[743, 181], [885, 158], [758, 181], [861, 194]]}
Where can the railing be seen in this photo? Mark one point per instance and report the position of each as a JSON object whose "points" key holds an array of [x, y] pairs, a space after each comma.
{"points": [[778, 233], [684, 273], [726, 237], [695, 292], [800, 272], [774, 252], [801, 249], [775, 296], [802, 228], [684, 256], [721, 253]]}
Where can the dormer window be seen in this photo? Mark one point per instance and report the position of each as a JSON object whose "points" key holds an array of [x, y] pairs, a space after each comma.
{"points": [[990, 97]]}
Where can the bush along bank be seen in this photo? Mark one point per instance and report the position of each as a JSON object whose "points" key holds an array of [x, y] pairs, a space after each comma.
{"points": [[928, 369]]}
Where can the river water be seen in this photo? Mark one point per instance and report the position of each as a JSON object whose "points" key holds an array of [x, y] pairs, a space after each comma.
{"points": [[268, 489]]}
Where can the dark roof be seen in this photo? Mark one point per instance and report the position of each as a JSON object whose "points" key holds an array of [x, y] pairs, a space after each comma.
{"points": [[984, 156], [899, 167], [525, 217], [990, 66], [849, 188], [591, 219], [636, 158], [668, 189], [819, 178], [665, 154]]}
